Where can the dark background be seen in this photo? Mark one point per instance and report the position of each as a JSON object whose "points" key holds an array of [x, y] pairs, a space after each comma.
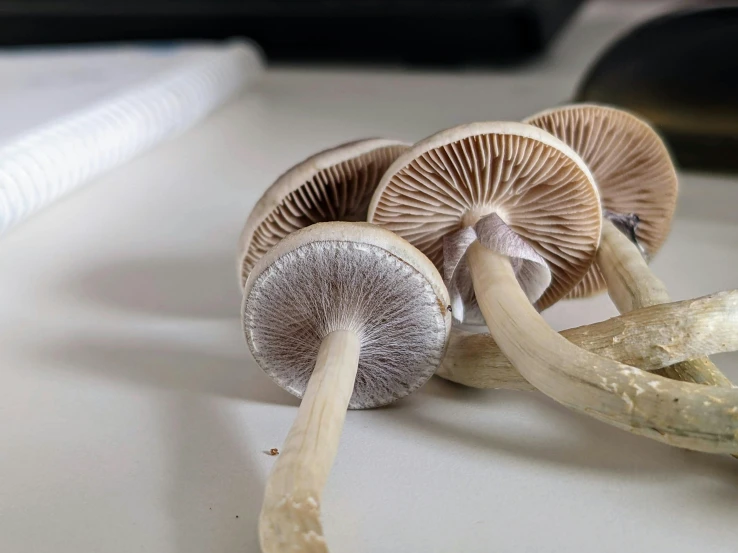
{"points": [[425, 32]]}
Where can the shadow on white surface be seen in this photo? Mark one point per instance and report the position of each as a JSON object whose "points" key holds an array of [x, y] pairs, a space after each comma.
{"points": [[533, 429], [172, 287], [215, 488], [212, 482], [176, 369]]}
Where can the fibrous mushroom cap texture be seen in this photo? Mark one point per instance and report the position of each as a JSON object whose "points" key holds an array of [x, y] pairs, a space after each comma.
{"points": [[534, 182], [348, 276], [332, 185], [631, 166]]}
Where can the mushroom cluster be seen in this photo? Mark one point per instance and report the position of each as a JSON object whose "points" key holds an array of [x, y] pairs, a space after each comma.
{"points": [[354, 263]]}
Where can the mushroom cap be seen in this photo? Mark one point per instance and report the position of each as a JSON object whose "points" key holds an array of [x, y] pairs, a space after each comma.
{"points": [[332, 185], [534, 182], [348, 276], [631, 166]]}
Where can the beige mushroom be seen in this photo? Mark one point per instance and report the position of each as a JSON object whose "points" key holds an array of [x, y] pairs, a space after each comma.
{"points": [[342, 315], [638, 189], [531, 201], [332, 185], [650, 339]]}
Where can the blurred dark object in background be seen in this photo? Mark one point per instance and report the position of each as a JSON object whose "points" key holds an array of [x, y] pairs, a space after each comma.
{"points": [[427, 32], [680, 72]]}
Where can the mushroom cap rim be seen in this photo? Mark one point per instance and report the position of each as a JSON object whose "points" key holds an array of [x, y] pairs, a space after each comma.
{"points": [[610, 109], [460, 132]]}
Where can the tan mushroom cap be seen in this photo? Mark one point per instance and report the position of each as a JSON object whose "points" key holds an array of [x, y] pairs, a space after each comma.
{"points": [[631, 166], [348, 276], [539, 187], [332, 185]]}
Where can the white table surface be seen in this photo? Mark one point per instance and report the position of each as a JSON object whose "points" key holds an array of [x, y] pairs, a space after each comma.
{"points": [[132, 417]]}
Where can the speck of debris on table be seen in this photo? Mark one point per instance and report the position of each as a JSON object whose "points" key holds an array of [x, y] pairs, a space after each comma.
{"points": [[274, 451]]}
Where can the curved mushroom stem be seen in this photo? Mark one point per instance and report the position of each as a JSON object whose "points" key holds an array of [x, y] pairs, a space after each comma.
{"points": [[703, 418], [290, 514], [632, 285], [650, 339]]}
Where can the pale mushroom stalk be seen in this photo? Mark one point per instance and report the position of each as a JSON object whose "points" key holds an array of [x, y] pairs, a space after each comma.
{"points": [[291, 509], [638, 187], [685, 415], [346, 316], [529, 196], [650, 339], [632, 285], [332, 185]]}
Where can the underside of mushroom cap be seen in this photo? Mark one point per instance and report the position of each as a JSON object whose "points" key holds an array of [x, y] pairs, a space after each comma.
{"points": [[536, 184], [631, 166], [333, 185], [348, 276]]}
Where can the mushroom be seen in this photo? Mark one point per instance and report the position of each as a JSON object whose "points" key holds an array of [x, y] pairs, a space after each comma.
{"points": [[638, 190], [332, 185], [650, 339], [518, 207], [342, 315]]}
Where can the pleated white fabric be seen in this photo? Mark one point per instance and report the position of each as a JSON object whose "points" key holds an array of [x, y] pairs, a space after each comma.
{"points": [[46, 163]]}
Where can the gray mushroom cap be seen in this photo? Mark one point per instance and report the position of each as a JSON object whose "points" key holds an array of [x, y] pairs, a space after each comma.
{"points": [[348, 276]]}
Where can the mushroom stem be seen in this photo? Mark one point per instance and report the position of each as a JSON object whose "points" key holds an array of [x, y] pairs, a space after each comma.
{"points": [[703, 418], [649, 338], [632, 285], [630, 282], [290, 514]]}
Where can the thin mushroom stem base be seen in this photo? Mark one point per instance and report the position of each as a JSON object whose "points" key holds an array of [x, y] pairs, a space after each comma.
{"points": [[650, 339], [677, 413], [632, 285], [290, 515]]}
